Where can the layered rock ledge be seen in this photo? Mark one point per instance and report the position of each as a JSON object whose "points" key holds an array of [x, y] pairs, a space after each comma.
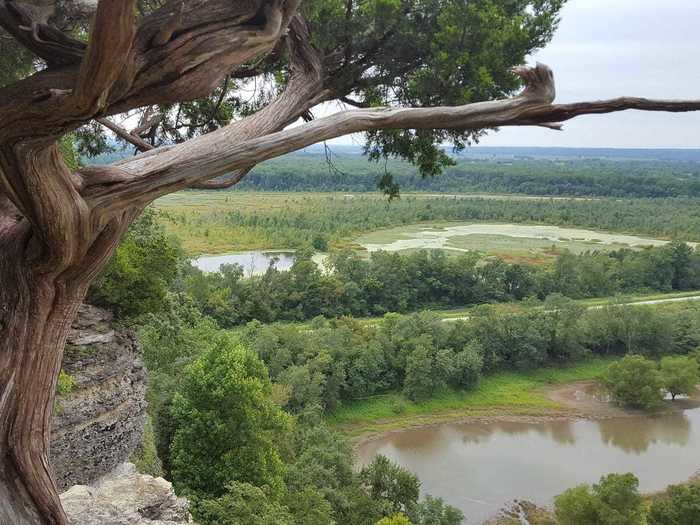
{"points": [[99, 422]]}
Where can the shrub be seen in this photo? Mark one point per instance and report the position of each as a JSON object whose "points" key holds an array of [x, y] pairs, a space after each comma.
{"points": [[396, 519], [146, 457], [679, 375], [615, 500], [66, 384], [679, 506], [398, 406]]}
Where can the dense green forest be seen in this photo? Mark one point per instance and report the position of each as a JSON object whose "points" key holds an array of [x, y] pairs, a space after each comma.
{"points": [[336, 362], [270, 456], [575, 173], [533, 176]]}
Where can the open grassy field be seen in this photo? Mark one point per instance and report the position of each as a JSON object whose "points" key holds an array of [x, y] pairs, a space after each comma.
{"points": [[220, 222], [231, 221], [504, 393]]}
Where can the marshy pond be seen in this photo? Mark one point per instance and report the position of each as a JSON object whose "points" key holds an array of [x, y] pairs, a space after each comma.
{"points": [[497, 238], [480, 467], [505, 240], [254, 262]]}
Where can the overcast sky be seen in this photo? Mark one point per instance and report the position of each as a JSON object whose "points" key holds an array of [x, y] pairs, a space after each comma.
{"points": [[608, 48]]}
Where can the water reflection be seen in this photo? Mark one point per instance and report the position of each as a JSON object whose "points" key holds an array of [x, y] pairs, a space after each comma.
{"points": [[560, 431], [479, 467], [636, 435]]}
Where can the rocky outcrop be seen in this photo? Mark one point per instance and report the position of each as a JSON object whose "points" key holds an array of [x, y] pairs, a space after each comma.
{"points": [[125, 497], [99, 423]]}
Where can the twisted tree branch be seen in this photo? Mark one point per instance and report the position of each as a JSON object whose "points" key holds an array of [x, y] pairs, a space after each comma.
{"points": [[111, 39], [222, 151], [212, 39]]}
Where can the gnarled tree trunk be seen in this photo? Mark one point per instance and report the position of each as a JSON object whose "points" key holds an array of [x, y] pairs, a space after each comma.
{"points": [[39, 297], [36, 313]]}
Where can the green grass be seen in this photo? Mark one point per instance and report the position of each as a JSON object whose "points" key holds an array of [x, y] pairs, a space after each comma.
{"points": [[505, 242], [221, 222], [504, 393]]}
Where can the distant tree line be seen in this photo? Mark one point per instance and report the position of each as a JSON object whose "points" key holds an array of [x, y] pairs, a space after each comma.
{"points": [[148, 264], [560, 177]]}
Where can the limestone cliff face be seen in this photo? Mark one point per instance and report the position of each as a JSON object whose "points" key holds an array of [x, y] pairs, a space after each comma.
{"points": [[125, 497], [99, 423]]}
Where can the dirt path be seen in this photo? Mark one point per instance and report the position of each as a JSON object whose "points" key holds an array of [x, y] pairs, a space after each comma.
{"points": [[601, 306], [579, 397]]}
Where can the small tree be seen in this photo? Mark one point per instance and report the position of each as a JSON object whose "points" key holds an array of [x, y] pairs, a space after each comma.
{"points": [[387, 481], [467, 366], [615, 500], [227, 426], [634, 382], [679, 375]]}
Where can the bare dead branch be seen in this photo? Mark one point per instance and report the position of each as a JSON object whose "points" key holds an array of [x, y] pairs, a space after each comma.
{"points": [[135, 140], [146, 124]]}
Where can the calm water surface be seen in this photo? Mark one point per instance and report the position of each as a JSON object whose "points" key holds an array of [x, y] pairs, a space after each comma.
{"points": [[479, 467], [253, 262]]}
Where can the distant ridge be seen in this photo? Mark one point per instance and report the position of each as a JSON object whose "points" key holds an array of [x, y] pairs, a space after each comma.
{"points": [[483, 152]]}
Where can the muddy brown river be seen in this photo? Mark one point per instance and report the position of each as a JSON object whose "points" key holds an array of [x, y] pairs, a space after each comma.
{"points": [[480, 467]]}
